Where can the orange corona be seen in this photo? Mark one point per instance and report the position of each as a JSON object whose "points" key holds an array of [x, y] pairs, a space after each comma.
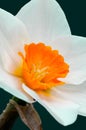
{"points": [[42, 67]]}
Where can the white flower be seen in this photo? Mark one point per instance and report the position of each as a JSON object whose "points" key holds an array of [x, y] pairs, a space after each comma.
{"points": [[43, 21]]}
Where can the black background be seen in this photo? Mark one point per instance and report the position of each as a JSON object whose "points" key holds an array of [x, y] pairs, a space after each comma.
{"points": [[75, 11]]}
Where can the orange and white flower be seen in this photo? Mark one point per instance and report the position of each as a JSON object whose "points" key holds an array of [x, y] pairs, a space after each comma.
{"points": [[41, 59]]}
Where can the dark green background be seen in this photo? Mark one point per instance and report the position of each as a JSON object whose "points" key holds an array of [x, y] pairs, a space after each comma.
{"points": [[75, 11]]}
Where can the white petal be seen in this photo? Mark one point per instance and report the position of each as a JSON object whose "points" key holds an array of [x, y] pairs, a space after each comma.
{"points": [[13, 85], [13, 36], [64, 111], [73, 48], [75, 93], [44, 19]]}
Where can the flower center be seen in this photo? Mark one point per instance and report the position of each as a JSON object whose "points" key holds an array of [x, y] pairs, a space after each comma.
{"points": [[42, 66]]}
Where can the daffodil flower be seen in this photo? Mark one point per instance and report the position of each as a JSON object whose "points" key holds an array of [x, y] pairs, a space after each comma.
{"points": [[40, 59]]}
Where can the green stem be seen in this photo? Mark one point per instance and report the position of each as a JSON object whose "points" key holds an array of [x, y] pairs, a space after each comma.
{"points": [[19, 101]]}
